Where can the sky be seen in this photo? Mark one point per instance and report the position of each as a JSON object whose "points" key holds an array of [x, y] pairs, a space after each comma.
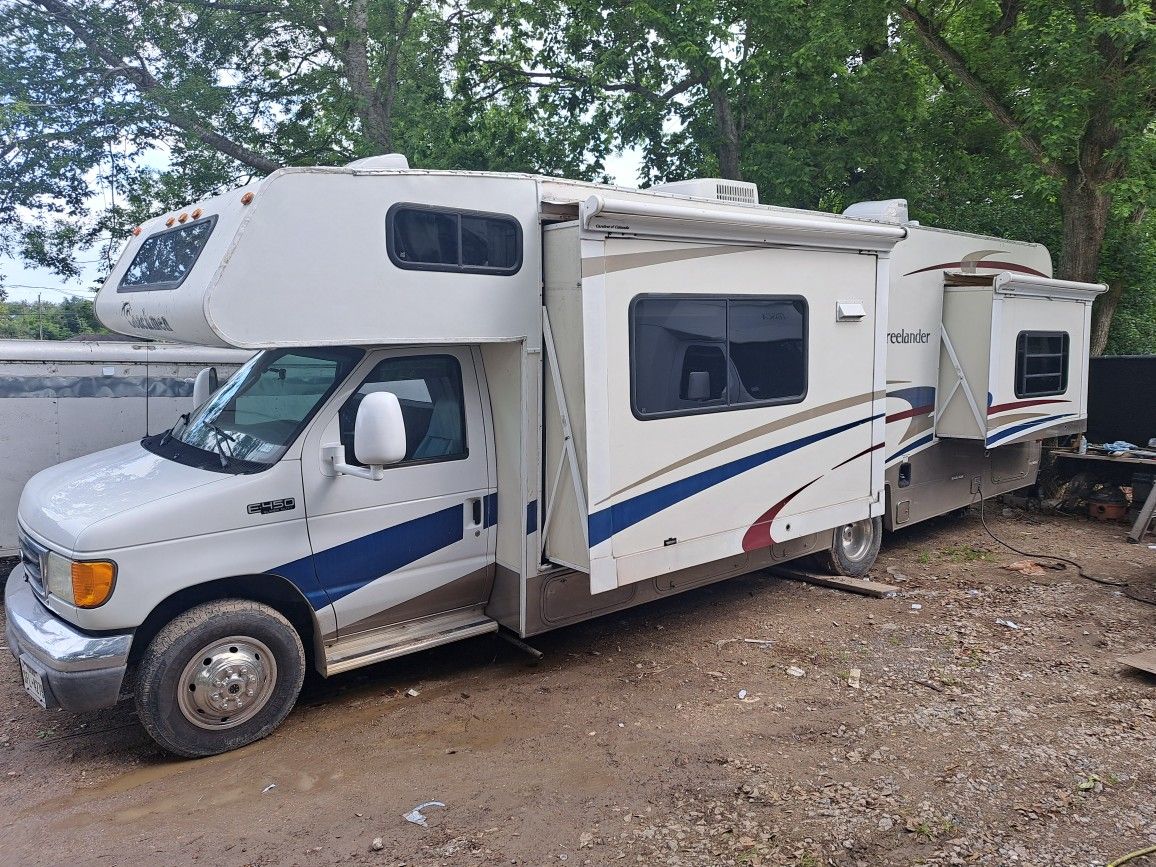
{"points": [[24, 284]]}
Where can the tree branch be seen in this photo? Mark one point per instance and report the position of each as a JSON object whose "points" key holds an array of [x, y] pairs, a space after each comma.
{"points": [[152, 90], [934, 41]]}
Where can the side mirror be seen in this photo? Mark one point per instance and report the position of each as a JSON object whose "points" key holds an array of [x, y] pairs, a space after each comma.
{"points": [[204, 385], [379, 430], [378, 439]]}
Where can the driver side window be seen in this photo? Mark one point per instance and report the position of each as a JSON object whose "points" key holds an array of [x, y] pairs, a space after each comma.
{"points": [[429, 389]]}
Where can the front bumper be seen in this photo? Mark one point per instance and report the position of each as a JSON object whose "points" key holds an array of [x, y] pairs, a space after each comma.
{"points": [[79, 671]]}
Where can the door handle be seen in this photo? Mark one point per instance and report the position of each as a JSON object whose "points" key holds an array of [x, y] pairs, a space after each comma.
{"points": [[475, 511]]}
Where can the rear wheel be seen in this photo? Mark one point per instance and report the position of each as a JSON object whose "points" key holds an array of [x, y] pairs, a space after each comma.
{"points": [[854, 548], [219, 676]]}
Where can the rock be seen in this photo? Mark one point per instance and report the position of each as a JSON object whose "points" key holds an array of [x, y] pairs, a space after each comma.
{"points": [[886, 823], [377, 845], [795, 671]]}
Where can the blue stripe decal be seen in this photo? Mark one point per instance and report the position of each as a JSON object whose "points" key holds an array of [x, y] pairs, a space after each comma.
{"points": [[926, 438], [304, 576], [489, 511], [345, 568], [531, 517], [615, 519], [1020, 428]]}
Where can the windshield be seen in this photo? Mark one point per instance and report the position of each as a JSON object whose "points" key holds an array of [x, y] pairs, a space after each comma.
{"points": [[258, 413]]}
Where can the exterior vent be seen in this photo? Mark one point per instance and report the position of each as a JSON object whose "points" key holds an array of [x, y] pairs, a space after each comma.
{"points": [[396, 162], [886, 211], [718, 189]]}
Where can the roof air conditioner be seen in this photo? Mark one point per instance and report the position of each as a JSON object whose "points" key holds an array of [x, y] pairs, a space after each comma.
{"points": [[718, 189]]}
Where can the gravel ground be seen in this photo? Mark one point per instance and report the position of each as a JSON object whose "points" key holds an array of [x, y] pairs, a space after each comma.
{"points": [[967, 741]]}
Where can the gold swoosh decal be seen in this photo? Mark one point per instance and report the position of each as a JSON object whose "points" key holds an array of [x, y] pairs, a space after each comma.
{"points": [[1005, 420], [625, 261], [762, 430]]}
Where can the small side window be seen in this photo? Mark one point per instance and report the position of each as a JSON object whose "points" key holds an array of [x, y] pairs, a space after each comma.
{"points": [[1041, 363], [165, 259], [421, 238]]}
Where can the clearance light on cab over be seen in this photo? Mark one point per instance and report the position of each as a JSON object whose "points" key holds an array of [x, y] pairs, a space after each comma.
{"points": [[136, 231], [85, 583], [183, 217], [170, 221], [248, 197], [196, 215]]}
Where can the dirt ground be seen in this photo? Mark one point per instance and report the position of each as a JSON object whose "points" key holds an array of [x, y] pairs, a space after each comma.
{"points": [[968, 741]]}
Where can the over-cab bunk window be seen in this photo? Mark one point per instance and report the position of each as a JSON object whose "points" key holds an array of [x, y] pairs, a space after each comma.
{"points": [[165, 259], [694, 354], [424, 238], [1041, 363]]}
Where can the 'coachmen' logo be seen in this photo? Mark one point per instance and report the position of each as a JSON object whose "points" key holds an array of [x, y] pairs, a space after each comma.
{"points": [[144, 321]]}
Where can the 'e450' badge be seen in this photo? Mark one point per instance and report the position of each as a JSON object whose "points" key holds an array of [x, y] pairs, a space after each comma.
{"points": [[270, 506]]}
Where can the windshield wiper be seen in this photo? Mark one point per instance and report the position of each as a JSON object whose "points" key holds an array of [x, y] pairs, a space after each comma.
{"points": [[182, 419], [221, 438]]}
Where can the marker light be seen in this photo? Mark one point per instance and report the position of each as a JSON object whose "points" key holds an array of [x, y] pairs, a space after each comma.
{"points": [[85, 584], [183, 217], [197, 214], [92, 582], [170, 221], [136, 231], [248, 197]]}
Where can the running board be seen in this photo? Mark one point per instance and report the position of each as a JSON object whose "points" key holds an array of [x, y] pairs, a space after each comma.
{"points": [[369, 647]]}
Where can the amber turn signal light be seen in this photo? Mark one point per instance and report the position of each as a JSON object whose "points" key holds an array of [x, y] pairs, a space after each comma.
{"points": [[92, 582]]}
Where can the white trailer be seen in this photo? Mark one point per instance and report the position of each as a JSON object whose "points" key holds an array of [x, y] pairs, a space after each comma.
{"points": [[488, 401], [63, 399]]}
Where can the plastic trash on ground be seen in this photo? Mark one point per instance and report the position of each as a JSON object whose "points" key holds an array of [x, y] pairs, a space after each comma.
{"points": [[417, 817]]}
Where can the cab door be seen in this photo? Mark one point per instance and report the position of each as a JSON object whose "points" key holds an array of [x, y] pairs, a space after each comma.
{"points": [[421, 541]]}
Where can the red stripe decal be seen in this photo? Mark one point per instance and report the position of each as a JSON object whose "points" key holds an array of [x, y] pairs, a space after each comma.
{"points": [[911, 413], [873, 448], [1004, 407], [1001, 266], [759, 535]]}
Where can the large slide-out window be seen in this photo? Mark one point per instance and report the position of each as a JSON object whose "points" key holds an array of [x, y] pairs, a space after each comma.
{"points": [[1041, 363], [422, 238], [692, 354], [165, 259]]}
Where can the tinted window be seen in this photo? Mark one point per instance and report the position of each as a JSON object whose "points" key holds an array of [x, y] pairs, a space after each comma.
{"points": [[432, 239], [429, 389], [1041, 363], [165, 259], [698, 354]]}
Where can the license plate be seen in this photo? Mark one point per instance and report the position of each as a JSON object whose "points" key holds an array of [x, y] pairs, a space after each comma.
{"points": [[33, 685]]}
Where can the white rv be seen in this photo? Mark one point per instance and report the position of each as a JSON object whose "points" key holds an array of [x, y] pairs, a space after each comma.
{"points": [[491, 401], [63, 399]]}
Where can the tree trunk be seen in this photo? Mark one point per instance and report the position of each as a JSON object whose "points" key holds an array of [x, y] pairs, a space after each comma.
{"points": [[728, 132], [1084, 205]]}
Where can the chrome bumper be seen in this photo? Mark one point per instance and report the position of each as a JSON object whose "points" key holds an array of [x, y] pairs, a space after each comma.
{"points": [[79, 671]]}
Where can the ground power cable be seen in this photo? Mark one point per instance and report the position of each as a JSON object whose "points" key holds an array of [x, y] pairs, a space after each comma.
{"points": [[1059, 560]]}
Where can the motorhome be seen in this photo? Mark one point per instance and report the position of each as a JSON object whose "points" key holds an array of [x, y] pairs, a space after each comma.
{"points": [[60, 399], [497, 401]]}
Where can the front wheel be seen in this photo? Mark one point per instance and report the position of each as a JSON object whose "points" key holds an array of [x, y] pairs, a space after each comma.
{"points": [[854, 548], [219, 676]]}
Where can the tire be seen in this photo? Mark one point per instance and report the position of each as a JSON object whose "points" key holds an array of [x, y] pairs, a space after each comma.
{"points": [[854, 548], [219, 676]]}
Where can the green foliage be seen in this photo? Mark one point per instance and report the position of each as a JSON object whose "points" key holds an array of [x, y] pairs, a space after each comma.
{"points": [[48, 320]]}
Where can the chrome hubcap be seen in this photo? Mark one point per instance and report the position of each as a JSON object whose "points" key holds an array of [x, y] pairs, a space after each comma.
{"points": [[227, 683], [855, 539]]}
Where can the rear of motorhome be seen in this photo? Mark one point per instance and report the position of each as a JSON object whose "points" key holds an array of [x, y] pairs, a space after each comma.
{"points": [[496, 401]]}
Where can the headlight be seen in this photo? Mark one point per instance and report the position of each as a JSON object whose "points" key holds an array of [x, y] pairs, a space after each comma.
{"points": [[83, 583]]}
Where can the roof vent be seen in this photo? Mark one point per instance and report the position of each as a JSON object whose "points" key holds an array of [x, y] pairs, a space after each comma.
{"points": [[719, 189], [396, 162], [885, 211]]}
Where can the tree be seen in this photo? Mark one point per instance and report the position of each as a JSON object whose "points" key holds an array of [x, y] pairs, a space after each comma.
{"points": [[158, 103], [1073, 86]]}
